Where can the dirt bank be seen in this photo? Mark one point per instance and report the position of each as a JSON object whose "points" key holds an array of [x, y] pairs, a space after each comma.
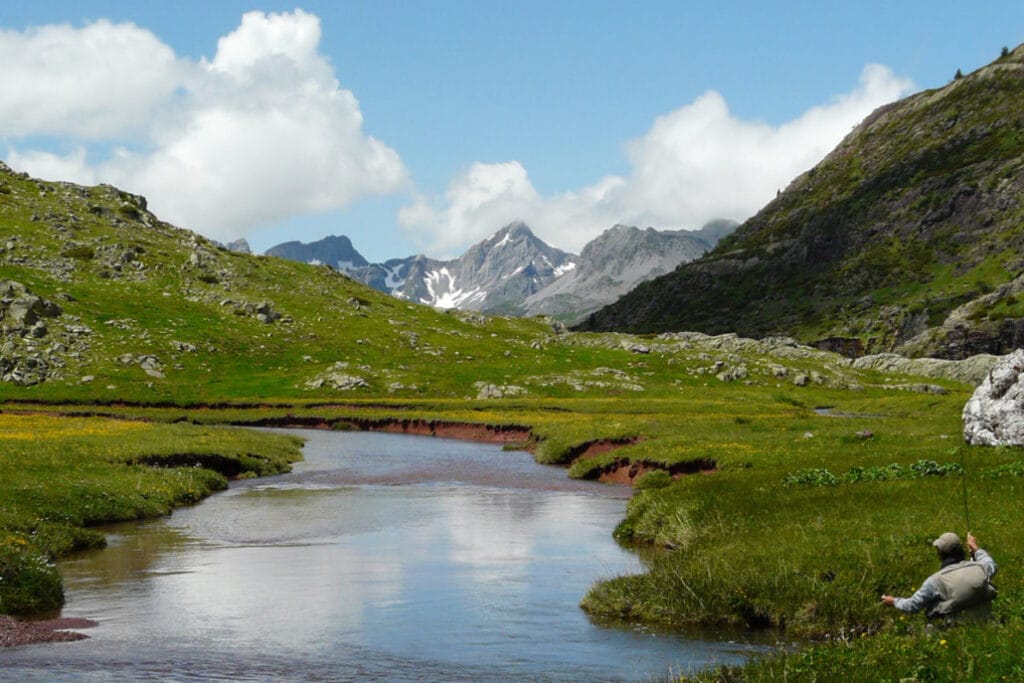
{"points": [[627, 472], [14, 632], [452, 430]]}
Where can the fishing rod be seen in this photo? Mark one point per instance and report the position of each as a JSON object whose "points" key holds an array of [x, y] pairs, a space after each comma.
{"points": [[963, 480]]}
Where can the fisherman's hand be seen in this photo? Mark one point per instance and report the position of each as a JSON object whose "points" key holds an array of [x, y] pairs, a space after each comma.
{"points": [[888, 600], [972, 543]]}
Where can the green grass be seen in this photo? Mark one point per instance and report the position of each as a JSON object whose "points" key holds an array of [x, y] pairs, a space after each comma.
{"points": [[905, 651], [738, 547], [62, 475]]}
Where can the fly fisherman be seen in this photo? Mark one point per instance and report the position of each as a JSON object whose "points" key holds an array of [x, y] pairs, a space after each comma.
{"points": [[961, 588]]}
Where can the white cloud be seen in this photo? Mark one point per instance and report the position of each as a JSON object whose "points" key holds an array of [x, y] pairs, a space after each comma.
{"points": [[695, 164], [260, 133], [95, 81], [263, 131], [484, 195]]}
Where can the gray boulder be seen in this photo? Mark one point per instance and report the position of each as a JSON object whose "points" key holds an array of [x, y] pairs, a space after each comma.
{"points": [[634, 347], [26, 310], [151, 366], [994, 416]]}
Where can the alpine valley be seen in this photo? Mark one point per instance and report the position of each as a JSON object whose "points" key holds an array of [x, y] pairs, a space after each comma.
{"points": [[779, 488]]}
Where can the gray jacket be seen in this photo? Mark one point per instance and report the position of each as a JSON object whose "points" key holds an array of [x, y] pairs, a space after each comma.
{"points": [[955, 588]]}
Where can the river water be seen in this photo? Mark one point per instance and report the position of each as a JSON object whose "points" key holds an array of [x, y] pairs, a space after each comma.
{"points": [[380, 558]]}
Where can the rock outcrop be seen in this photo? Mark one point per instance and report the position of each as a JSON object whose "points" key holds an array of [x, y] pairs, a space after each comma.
{"points": [[24, 330], [994, 416], [971, 370]]}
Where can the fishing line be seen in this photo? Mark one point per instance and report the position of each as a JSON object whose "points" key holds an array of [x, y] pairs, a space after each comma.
{"points": [[963, 479]]}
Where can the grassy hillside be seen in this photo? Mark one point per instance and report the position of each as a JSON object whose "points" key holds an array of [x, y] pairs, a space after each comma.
{"points": [[916, 213], [100, 301]]}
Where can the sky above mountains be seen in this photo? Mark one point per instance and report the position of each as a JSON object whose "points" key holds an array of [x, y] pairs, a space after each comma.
{"points": [[425, 127]]}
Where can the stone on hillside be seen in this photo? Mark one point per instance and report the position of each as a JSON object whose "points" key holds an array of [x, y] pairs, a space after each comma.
{"points": [[337, 377], [486, 391], [733, 373], [9, 289], [994, 416], [26, 310], [240, 245], [265, 312], [972, 370], [918, 388], [489, 391], [634, 347], [151, 366], [345, 382]]}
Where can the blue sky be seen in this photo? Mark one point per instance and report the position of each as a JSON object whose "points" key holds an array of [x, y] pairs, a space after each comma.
{"points": [[425, 126]]}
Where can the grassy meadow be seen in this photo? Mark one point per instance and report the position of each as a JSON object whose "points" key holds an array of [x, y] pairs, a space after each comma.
{"points": [[764, 539]]}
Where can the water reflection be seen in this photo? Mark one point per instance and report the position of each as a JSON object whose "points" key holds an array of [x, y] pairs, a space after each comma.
{"points": [[381, 557]]}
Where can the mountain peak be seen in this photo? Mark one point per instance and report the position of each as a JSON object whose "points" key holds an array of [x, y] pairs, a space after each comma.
{"points": [[513, 231], [334, 250]]}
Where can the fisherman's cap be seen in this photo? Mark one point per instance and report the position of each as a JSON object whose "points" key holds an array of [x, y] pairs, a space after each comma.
{"points": [[948, 543]]}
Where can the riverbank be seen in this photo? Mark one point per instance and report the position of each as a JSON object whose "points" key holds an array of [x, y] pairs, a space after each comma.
{"points": [[799, 521], [62, 476], [18, 632]]}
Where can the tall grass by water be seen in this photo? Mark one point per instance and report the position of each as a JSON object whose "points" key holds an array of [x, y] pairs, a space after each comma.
{"points": [[62, 476]]}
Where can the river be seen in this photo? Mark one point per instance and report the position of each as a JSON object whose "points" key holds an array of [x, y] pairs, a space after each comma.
{"points": [[379, 558]]}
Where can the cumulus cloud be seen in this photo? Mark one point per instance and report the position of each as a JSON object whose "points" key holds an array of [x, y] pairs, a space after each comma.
{"points": [[94, 82], [695, 164], [485, 194], [260, 133]]}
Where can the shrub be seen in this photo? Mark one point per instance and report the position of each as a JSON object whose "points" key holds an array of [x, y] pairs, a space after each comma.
{"points": [[129, 211], [79, 251], [811, 477], [921, 468], [1010, 469], [29, 584]]}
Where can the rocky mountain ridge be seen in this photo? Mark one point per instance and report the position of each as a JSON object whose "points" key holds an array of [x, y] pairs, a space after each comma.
{"points": [[618, 260], [514, 272], [334, 250], [907, 237], [500, 271]]}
